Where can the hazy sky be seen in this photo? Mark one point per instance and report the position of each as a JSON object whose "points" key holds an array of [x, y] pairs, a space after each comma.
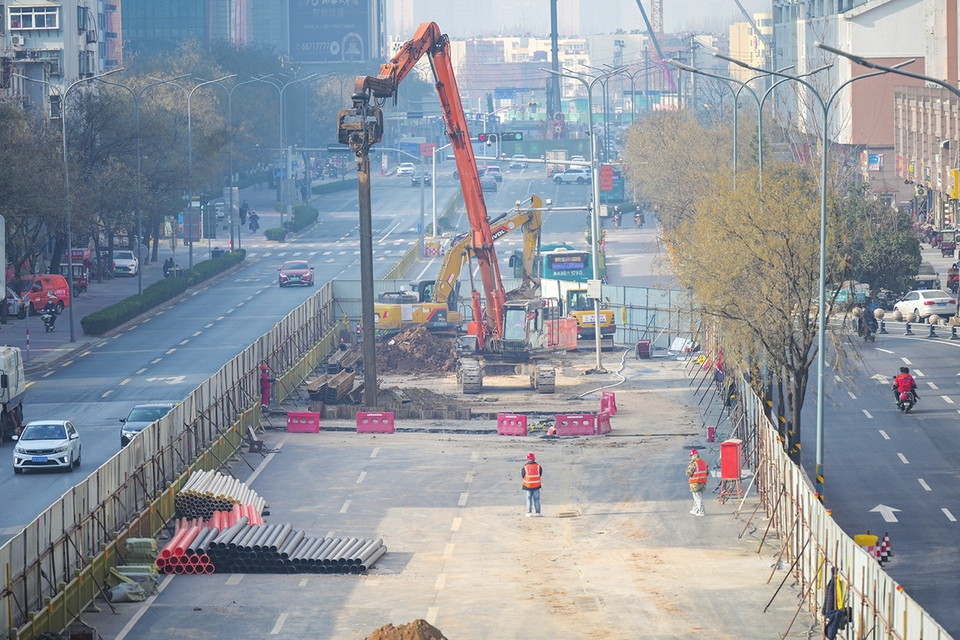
{"points": [[463, 18]]}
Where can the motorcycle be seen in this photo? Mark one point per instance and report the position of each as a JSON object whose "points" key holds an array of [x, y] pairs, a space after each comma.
{"points": [[868, 331], [254, 224], [49, 318], [616, 221], [638, 220], [906, 401]]}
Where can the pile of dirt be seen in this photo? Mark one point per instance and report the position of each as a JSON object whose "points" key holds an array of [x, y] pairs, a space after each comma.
{"points": [[416, 351], [416, 630]]}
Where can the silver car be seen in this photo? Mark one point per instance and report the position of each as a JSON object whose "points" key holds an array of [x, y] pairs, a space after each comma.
{"points": [[47, 444], [141, 417], [927, 302]]}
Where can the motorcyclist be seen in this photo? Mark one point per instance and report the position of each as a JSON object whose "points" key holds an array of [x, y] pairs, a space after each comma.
{"points": [[254, 221], [616, 217], [866, 321], [49, 311], [639, 217], [904, 382]]}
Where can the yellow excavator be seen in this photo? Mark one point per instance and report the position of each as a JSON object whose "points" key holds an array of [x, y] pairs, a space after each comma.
{"points": [[434, 303]]}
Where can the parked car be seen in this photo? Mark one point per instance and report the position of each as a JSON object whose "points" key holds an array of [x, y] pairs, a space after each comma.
{"points": [[47, 444], [926, 302], [518, 161], [927, 277], [488, 182], [406, 169], [415, 179], [578, 175], [494, 171], [35, 288], [295, 272], [141, 417], [125, 263], [15, 306], [577, 159]]}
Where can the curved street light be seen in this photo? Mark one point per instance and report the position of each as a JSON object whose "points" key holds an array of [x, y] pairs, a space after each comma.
{"points": [[189, 95], [595, 219], [136, 102], [821, 303], [63, 93]]}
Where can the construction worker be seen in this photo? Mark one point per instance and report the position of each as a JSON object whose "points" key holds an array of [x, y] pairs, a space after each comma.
{"points": [[531, 474], [697, 472], [265, 383]]}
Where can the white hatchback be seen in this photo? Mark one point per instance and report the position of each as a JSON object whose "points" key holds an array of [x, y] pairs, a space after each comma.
{"points": [[47, 444], [922, 304]]}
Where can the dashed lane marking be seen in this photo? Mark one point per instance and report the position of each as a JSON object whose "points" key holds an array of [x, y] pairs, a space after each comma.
{"points": [[279, 625], [903, 458], [140, 371], [884, 350], [48, 374], [376, 450], [441, 580], [947, 399], [85, 353], [346, 505], [850, 393], [469, 477], [432, 614], [221, 317], [197, 333], [67, 363], [207, 326], [29, 384], [923, 484], [230, 310], [949, 515], [156, 361], [363, 474], [933, 386], [183, 342], [838, 378], [867, 413], [125, 381], [107, 393], [919, 374], [448, 551], [102, 344], [906, 362], [303, 582], [462, 502], [884, 434], [169, 351], [456, 524]]}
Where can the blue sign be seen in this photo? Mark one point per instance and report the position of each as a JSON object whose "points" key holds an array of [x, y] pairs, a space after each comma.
{"points": [[413, 148], [329, 30], [504, 93]]}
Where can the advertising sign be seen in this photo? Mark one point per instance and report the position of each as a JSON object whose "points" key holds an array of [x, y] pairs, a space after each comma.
{"points": [[329, 30]]}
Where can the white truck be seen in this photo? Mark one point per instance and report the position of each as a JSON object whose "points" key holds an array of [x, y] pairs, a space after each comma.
{"points": [[556, 161], [13, 385]]}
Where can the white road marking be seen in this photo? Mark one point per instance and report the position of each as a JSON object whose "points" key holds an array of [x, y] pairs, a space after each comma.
{"points": [[363, 474], [474, 456], [463, 499], [277, 627], [441, 580], [884, 350], [85, 353], [469, 477], [380, 241], [107, 393], [48, 374], [947, 399], [838, 378], [156, 361], [199, 332], [949, 515], [346, 505], [235, 579], [456, 524], [906, 362], [918, 374], [221, 318], [230, 310], [903, 458], [432, 614], [865, 412], [105, 342], [886, 512], [141, 371], [923, 484], [183, 342], [169, 351], [884, 434], [303, 582], [376, 450], [929, 384], [67, 363], [127, 628], [429, 264], [849, 393], [448, 551], [126, 380], [207, 326]]}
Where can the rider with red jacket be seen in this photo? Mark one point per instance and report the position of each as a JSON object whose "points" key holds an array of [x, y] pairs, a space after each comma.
{"points": [[905, 382]]}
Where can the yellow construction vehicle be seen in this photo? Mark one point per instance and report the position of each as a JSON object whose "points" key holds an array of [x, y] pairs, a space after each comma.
{"points": [[434, 302]]}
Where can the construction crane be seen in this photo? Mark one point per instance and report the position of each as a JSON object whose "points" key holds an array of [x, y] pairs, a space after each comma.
{"points": [[655, 29]]}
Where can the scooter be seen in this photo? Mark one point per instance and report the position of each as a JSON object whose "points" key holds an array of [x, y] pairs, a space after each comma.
{"points": [[49, 319], [906, 401], [254, 225], [616, 221], [638, 219], [868, 331]]}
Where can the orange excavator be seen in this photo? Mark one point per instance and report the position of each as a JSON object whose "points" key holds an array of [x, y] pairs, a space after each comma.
{"points": [[506, 335]]}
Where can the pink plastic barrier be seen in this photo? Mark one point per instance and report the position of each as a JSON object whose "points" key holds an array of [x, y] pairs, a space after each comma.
{"points": [[368, 422], [608, 402], [580, 424], [303, 422], [603, 423], [509, 424]]}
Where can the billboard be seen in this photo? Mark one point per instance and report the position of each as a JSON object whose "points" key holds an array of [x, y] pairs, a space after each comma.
{"points": [[330, 30]]}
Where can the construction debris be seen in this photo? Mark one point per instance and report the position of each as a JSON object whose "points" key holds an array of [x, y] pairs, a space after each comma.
{"points": [[416, 630], [416, 350]]}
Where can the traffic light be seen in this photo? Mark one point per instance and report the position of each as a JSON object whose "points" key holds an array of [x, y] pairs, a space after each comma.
{"points": [[489, 138], [515, 136]]}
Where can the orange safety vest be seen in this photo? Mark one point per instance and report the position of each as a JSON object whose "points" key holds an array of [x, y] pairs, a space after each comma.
{"points": [[700, 475], [531, 476]]}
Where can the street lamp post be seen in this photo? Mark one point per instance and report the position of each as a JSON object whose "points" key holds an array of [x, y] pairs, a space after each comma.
{"points": [[281, 89], [64, 93], [136, 104], [189, 95], [229, 93], [595, 219], [822, 284]]}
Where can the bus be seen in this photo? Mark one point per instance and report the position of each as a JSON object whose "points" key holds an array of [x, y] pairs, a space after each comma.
{"points": [[564, 274]]}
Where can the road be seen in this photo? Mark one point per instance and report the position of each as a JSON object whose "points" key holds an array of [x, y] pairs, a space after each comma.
{"points": [[877, 457]]}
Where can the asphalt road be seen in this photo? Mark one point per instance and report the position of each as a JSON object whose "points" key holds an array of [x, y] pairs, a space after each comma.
{"points": [[890, 472]]}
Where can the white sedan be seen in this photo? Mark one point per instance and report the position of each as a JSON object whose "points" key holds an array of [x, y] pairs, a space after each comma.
{"points": [[406, 170], [125, 263], [922, 304], [47, 444]]}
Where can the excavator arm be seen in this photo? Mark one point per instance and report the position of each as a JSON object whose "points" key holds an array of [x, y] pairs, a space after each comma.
{"points": [[436, 46]]}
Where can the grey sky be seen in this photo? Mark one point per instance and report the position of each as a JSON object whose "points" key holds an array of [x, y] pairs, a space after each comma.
{"points": [[461, 18]]}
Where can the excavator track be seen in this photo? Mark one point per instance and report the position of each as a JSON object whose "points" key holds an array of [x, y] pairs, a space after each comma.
{"points": [[544, 378], [469, 376]]}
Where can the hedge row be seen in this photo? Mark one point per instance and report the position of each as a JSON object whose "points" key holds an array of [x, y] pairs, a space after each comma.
{"points": [[277, 234], [334, 185], [99, 322], [303, 217]]}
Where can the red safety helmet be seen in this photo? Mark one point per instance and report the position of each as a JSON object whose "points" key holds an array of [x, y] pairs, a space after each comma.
{"points": [[693, 452], [530, 456], [264, 367]]}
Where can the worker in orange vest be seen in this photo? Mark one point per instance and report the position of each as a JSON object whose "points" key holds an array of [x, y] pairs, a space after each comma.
{"points": [[531, 474], [697, 472]]}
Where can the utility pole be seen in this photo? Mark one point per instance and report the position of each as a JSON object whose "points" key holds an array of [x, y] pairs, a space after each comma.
{"points": [[554, 105]]}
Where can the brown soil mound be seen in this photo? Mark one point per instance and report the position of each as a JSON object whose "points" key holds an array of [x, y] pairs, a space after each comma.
{"points": [[416, 630], [416, 351]]}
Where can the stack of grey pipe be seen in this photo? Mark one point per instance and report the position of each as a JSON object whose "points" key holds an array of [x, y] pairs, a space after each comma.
{"points": [[275, 548], [209, 491]]}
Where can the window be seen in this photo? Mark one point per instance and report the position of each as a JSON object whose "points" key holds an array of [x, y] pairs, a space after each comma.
{"points": [[25, 18]]}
